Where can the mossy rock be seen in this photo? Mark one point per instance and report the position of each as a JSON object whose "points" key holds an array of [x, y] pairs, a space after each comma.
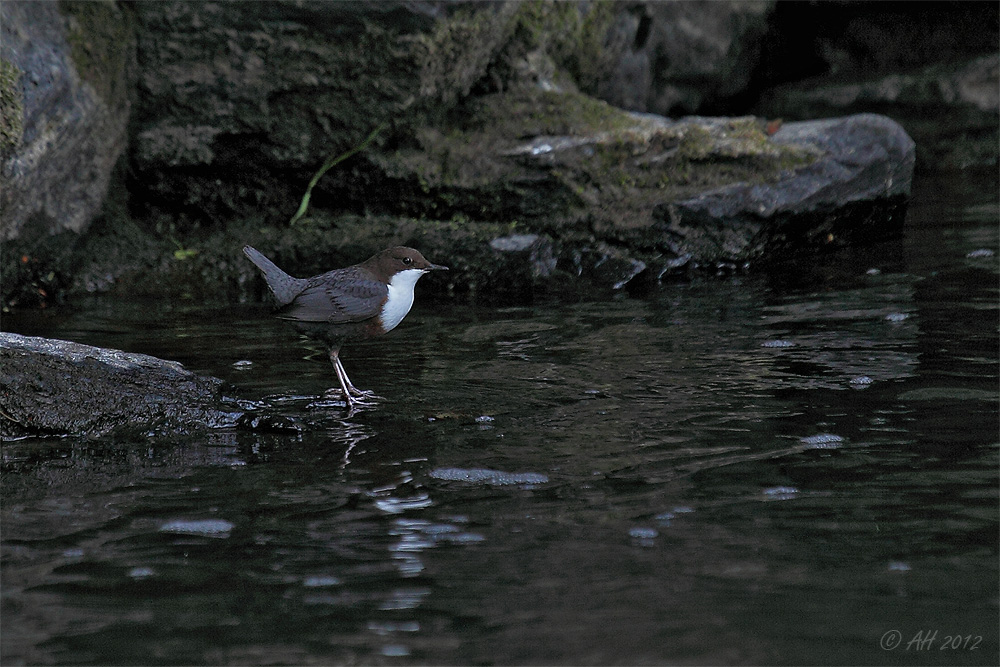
{"points": [[101, 36], [561, 162], [11, 107]]}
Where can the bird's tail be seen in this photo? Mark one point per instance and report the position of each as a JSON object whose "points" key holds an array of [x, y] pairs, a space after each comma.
{"points": [[284, 286]]}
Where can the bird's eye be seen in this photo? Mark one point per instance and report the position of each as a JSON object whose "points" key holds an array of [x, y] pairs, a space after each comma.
{"points": [[407, 260]]}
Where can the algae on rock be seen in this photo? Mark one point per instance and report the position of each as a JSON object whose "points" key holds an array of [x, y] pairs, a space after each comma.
{"points": [[11, 106], [566, 164]]}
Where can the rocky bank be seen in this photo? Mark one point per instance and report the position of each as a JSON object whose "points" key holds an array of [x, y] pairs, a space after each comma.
{"points": [[534, 145]]}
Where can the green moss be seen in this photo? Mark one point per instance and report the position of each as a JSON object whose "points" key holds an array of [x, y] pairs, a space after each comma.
{"points": [[738, 140], [603, 169], [487, 41], [550, 113], [11, 106], [456, 53], [101, 37], [571, 33]]}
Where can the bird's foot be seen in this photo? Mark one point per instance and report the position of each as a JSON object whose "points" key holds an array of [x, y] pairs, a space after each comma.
{"points": [[365, 398], [353, 396], [361, 393]]}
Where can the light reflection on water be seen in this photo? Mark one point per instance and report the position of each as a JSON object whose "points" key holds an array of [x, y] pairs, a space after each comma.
{"points": [[699, 475]]}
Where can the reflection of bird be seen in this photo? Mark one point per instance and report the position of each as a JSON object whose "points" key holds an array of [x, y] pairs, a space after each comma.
{"points": [[360, 301]]}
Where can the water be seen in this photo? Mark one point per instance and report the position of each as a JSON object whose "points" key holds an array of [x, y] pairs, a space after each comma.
{"points": [[758, 470]]}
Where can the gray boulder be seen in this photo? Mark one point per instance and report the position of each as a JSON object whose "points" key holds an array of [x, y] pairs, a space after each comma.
{"points": [[67, 78], [856, 190], [680, 56], [952, 109], [55, 387], [666, 193]]}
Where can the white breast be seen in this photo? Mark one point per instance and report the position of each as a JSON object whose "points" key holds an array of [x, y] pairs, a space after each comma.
{"points": [[400, 298]]}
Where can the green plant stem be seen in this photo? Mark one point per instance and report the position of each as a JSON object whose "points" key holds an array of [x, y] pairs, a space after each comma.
{"points": [[330, 163]]}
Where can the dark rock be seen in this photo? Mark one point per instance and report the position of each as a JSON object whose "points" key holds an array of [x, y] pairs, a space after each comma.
{"points": [[931, 66], [618, 196], [950, 109], [710, 190], [682, 57], [855, 191], [607, 266], [586, 169], [54, 387], [241, 102], [849, 40], [536, 251], [486, 124], [973, 84], [67, 79]]}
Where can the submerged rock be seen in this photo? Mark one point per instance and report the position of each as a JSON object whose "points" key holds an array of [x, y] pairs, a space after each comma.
{"points": [[56, 387]]}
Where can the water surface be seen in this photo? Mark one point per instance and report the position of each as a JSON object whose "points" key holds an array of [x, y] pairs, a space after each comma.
{"points": [[764, 469]]}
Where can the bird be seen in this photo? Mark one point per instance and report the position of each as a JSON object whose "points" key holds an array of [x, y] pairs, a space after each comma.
{"points": [[361, 301]]}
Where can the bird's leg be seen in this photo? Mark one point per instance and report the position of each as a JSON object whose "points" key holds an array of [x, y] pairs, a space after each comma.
{"points": [[350, 393], [350, 387], [341, 375]]}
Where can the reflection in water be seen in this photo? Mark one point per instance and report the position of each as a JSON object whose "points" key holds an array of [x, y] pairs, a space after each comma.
{"points": [[751, 471]]}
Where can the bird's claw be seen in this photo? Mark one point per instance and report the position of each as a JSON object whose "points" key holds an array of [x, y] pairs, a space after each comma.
{"points": [[354, 396], [362, 393]]}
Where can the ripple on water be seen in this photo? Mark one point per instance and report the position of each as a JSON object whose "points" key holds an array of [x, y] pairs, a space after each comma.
{"points": [[404, 598], [387, 627], [486, 476], [947, 394], [823, 441], [781, 493], [400, 505], [861, 382], [777, 344], [666, 518], [417, 534], [216, 528], [640, 533], [320, 581]]}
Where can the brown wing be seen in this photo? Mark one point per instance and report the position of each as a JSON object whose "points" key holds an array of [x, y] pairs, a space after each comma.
{"points": [[337, 297]]}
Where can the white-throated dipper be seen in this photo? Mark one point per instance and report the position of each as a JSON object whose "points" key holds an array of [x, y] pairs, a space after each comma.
{"points": [[360, 301]]}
